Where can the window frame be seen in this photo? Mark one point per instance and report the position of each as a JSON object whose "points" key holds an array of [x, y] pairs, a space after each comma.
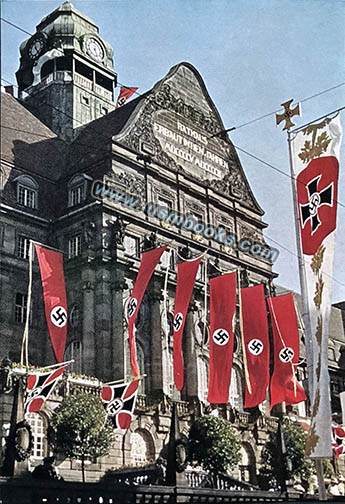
{"points": [[75, 246]]}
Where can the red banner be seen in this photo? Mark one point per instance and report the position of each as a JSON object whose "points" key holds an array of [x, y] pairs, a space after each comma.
{"points": [[149, 261], [222, 318], [317, 193], [38, 388], [54, 293], [284, 385], [186, 274], [119, 403], [124, 94], [256, 342]]}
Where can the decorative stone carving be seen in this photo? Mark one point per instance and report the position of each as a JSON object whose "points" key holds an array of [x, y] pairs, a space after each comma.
{"points": [[251, 234], [90, 235], [129, 183], [88, 286], [150, 242], [233, 184], [117, 232]]}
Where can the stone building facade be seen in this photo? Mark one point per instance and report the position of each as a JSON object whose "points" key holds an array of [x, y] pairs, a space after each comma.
{"points": [[165, 147]]}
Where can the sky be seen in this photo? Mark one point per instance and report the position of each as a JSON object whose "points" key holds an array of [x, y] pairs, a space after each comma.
{"points": [[253, 55]]}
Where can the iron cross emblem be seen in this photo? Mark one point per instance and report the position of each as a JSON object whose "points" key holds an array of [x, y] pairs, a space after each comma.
{"points": [[287, 114], [316, 200]]}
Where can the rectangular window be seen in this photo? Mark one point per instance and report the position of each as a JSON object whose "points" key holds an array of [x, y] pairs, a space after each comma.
{"points": [[165, 203], [22, 247], [74, 246], [76, 195], [38, 433], [85, 100], [26, 197], [132, 245], [20, 307]]}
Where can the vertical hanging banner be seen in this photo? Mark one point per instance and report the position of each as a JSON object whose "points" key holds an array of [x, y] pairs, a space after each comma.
{"points": [[284, 385], [186, 274], [222, 322], [38, 388], [54, 294], [256, 344], [119, 402], [149, 261], [315, 152]]}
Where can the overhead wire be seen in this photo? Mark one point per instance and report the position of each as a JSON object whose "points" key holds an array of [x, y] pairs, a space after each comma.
{"points": [[229, 129]]}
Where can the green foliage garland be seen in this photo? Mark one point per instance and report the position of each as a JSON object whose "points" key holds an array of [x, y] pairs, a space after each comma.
{"points": [[213, 444]]}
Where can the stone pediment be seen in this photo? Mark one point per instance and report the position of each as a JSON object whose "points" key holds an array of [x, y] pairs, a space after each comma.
{"points": [[179, 125]]}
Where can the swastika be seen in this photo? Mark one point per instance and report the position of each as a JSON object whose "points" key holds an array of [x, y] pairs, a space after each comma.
{"points": [[178, 321], [255, 346], [132, 306], [121, 101], [33, 393], [114, 407], [221, 337], [286, 354], [58, 316]]}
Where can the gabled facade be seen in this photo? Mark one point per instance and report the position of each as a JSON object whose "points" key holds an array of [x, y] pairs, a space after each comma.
{"points": [[164, 149]]}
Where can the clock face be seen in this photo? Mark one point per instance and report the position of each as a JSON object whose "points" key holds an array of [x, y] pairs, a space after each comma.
{"points": [[35, 48], [94, 49]]}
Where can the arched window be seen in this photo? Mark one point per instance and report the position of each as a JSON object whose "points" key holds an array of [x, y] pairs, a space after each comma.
{"points": [[77, 189], [39, 434], [142, 447], [202, 379], [235, 394], [27, 191], [74, 352], [246, 466]]}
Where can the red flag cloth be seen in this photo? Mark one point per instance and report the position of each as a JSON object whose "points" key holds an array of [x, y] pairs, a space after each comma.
{"points": [[149, 261], [222, 318], [38, 388], [317, 193], [186, 274], [125, 93], [256, 342], [286, 351], [119, 402], [55, 302]]}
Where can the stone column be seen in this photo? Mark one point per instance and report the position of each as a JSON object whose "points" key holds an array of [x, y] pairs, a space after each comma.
{"points": [[190, 387], [103, 316], [155, 298], [88, 343], [118, 344]]}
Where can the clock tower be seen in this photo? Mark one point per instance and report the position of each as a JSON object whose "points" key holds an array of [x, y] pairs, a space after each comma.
{"points": [[66, 75]]}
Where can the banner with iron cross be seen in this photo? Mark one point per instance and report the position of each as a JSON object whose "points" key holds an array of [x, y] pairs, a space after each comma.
{"points": [[119, 402], [315, 165]]}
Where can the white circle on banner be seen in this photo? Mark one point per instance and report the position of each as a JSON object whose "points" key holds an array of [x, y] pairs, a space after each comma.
{"points": [[58, 316], [255, 346], [286, 354], [132, 306], [220, 337], [178, 320]]}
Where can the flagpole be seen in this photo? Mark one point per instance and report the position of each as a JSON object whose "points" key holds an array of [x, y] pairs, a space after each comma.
{"points": [[47, 246], [123, 381], [25, 341], [305, 313], [57, 365], [245, 365]]}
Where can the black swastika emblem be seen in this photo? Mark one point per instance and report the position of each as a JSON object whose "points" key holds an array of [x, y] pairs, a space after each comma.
{"points": [[255, 346], [58, 316], [132, 306], [121, 101], [178, 321], [221, 337], [34, 393], [316, 200], [114, 406], [286, 354]]}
